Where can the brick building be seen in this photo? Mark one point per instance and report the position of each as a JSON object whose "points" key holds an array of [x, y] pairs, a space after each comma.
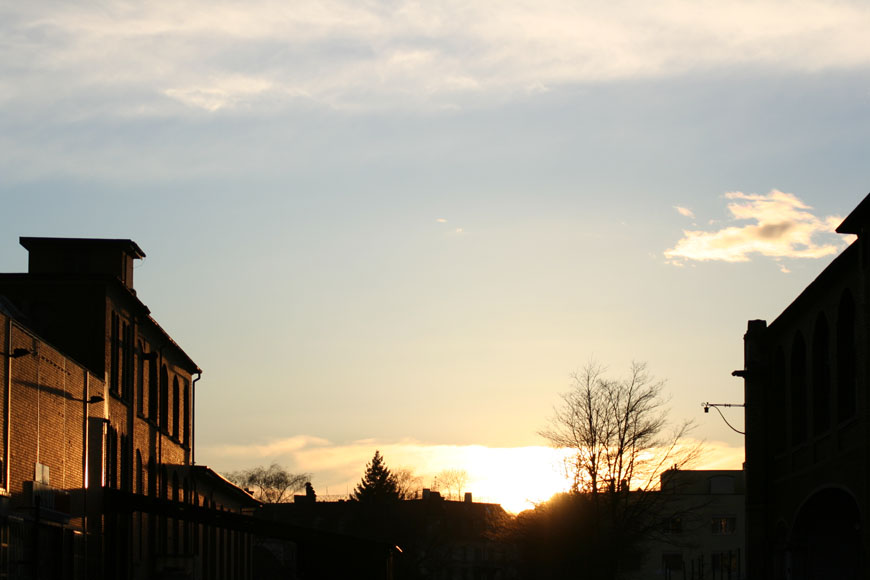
{"points": [[97, 470], [807, 390]]}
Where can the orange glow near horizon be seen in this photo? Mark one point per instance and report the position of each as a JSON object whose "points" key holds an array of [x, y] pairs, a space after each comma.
{"points": [[515, 477]]}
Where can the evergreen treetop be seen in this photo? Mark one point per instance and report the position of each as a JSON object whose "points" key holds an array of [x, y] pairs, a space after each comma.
{"points": [[378, 483]]}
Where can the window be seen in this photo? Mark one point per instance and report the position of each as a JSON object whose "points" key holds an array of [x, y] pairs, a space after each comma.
{"points": [[152, 477], [111, 466], [780, 426], [175, 410], [140, 476], [723, 525], [798, 391], [140, 379], [163, 419], [724, 562], [674, 525], [127, 375], [821, 373], [152, 386], [114, 344], [126, 475], [846, 357], [721, 484], [672, 562]]}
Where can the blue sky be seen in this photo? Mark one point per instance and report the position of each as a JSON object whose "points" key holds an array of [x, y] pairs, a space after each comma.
{"points": [[403, 223]]}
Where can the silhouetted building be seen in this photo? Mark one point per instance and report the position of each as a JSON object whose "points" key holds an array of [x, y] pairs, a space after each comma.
{"points": [[428, 538], [703, 527], [807, 389], [97, 437]]}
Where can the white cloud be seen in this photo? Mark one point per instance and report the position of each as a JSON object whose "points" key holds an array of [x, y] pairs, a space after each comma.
{"points": [[441, 220], [684, 211], [221, 93], [782, 227], [381, 55]]}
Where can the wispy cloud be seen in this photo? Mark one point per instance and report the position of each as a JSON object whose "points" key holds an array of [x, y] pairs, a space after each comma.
{"points": [[348, 54], [684, 211], [781, 226]]}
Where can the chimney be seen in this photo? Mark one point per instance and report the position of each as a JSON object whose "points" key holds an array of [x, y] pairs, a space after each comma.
{"points": [[83, 257]]}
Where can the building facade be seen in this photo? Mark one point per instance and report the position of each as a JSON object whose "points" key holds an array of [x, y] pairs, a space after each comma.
{"points": [[98, 479], [807, 394], [703, 527]]}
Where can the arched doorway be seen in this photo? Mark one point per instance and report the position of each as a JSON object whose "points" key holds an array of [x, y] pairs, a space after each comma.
{"points": [[826, 538]]}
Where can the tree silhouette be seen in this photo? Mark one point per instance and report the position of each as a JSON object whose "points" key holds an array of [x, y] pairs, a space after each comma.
{"points": [[620, 443], [272, 485], [452, 482], [378, 483], [408, 483]]}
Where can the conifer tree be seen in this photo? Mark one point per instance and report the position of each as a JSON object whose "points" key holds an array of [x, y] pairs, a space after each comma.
{"points": [[378, 483]]}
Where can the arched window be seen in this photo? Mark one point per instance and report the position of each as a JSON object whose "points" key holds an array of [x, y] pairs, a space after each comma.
{"points": [[798, 382], [176, 395], [114, 358], [140, 378], [780, 431], [127, 375], [846, 357], [821, 378], [152, 386], [164, 398]]}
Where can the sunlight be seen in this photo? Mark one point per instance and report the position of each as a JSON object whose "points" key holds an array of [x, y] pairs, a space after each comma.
{"points": [[517, 478]]}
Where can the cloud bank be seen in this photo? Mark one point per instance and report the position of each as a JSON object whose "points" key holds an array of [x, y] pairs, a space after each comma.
{"points": [[782, 226], [132, 58], [516, 477]]}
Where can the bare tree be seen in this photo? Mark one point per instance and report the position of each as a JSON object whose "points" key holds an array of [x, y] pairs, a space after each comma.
{"points": [[617, 431], [452, 482], [408, 483], [620, 443], [270, 485]]}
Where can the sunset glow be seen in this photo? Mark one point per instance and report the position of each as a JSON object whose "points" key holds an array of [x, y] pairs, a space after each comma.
{"points": [[515, 477]]}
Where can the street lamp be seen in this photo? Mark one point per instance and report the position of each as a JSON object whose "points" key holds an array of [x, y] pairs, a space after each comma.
{"points": [[717, 405], [90, 401]]}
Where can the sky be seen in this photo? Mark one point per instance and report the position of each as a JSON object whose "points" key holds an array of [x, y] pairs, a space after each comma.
{"points": [[403, 225]]}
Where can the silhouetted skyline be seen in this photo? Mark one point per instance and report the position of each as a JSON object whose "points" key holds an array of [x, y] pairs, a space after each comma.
{"points": [[403, 228]]}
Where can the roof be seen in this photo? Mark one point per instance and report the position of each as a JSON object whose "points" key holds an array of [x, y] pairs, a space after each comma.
{"points": [[220, 482], [858, 220], [129, 246]]}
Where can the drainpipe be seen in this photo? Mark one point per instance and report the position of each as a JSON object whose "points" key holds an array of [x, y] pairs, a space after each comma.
{"points": [[193, 417]]}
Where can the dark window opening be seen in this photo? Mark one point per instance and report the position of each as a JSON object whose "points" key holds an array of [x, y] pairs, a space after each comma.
{"points": [[176, 395], [164, 398], [846, 357], [114, 344], [798, 391], [821, 378]]}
